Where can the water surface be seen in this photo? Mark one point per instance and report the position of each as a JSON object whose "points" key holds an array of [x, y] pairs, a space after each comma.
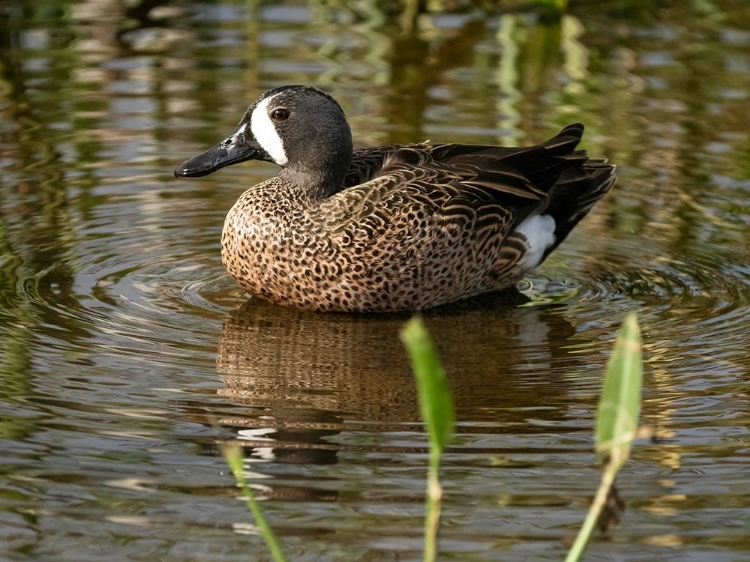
{"points": [[128, 355]]}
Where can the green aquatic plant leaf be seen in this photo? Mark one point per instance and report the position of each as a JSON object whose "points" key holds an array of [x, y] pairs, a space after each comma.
{"points": [[435, 402], [436, 407], [620, 401], [616, 424]]}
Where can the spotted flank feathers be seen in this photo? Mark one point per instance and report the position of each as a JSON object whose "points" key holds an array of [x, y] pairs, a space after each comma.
{"points": [[391, 228]]}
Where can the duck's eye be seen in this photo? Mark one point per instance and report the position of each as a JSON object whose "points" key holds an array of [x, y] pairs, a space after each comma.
{"points": [[280, 114]]}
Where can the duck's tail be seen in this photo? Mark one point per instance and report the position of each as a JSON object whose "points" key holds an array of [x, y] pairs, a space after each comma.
{"points": [[578, 188]]}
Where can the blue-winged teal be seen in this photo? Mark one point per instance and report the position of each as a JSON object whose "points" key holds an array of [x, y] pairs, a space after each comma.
{"points": [[403, 227]]}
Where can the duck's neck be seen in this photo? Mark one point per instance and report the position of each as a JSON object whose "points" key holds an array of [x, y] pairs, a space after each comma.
{"points": [[319, 161], [319, 181]]}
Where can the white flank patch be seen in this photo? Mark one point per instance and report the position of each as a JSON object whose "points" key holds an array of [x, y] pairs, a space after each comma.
{"points": [[265, 132], [539, 231]]}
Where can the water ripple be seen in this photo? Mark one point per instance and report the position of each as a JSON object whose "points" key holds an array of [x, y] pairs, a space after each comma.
{"points": [[124, 343]]}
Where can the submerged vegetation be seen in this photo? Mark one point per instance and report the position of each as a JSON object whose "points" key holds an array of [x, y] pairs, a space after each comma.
{"points": [[616, 428]]}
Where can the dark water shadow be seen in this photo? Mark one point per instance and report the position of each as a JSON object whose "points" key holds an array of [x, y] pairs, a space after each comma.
{"points": [[311, 375]]}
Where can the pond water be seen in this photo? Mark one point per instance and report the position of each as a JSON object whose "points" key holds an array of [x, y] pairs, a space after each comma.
{"points": [[129, 356]]}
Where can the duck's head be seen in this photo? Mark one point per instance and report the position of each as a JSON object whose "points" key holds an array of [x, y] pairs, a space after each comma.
{"points": [[300, 128]]}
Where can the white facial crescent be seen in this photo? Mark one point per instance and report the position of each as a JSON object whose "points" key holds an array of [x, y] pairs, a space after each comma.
{"points": [[265, 133]]}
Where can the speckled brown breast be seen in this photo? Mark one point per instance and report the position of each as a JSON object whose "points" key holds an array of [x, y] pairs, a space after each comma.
{"points": [[397, 255]]}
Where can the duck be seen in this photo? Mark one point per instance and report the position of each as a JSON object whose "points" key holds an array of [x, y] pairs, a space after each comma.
{"points": [[397, 228]]}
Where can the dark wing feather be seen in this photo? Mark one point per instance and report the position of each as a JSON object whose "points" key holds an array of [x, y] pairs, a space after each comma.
{"points": [[366, 162], [513, 176], [552, 177], [537, 167]]}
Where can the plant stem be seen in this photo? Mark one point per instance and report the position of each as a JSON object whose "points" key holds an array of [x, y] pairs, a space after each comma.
{"points": [[434, 497], [579, 546], [234, 459]]}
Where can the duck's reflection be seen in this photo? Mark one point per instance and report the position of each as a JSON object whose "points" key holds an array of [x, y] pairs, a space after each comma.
{"points": [[307, 376]]}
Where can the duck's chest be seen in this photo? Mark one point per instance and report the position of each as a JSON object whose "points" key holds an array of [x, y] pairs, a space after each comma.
{"points": [[266, 241]]}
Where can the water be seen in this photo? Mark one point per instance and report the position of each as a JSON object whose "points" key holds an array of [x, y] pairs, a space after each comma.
{"points": [[128, 355]]}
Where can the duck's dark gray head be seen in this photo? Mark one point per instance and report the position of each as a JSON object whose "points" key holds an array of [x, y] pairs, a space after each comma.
{"points": [[302, 129]]}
